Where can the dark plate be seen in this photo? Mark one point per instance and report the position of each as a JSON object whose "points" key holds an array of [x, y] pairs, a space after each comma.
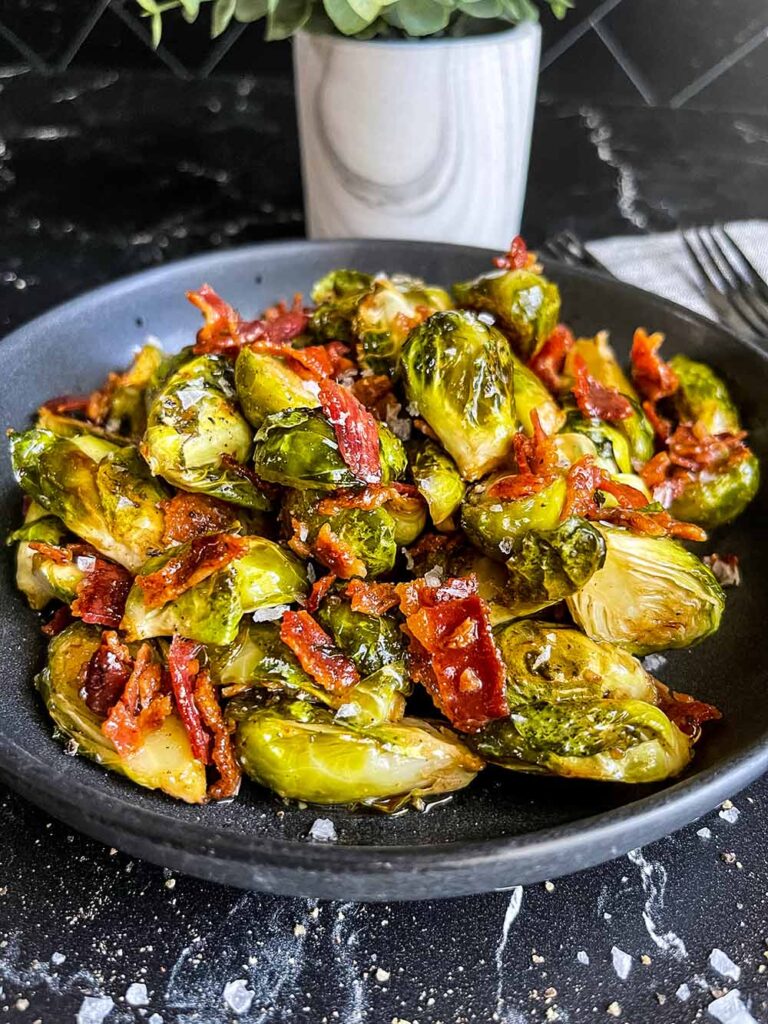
{"points": [[506, 828]]}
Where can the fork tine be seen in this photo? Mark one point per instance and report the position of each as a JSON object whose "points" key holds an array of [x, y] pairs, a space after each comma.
{"points": [[715, 288], [581, 252], [560, 252], [725, 281], [744, 294], [753, 274], [704, 272]]}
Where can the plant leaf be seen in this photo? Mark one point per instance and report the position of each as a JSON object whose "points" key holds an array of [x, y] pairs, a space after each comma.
{"points": [[221, 16], [423, 17], [250, 10], [343, 17], [157, 29], [287, 17], [366, 9]]}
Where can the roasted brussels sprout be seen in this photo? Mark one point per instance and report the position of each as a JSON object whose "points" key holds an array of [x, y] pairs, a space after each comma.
{"points": [[377, 699], [611, 448], [530, 396], [101, 492], [409, 514], [651, 594], [298, 448], [526, 305], [194, 426], [546, 566], [31, 575], [367, 536], [494, 525], [702, 397], [459, 377], [267, 576], [438, 480], [163, 761], [266, 384], [337, 296], [610, 740], [715, 499], [371, 641], [302, 752], [124, 395]]}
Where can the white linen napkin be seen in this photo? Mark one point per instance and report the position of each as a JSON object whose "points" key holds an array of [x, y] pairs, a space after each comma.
{"points": [[661, 264]]}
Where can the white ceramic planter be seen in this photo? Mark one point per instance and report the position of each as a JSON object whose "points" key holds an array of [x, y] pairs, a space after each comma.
{"points": [[417, 139]]}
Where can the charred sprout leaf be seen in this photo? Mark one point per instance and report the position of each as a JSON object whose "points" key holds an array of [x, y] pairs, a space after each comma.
{"points": [[610, 740], [713, 500], [298, 448], [526, 305], [459, 377], [371, 641], [438, 480], [267, 576], [530, 395], [31, 575], [266, 384], [102, 493], [702, 397], [193, 426], [494, 525], [367, 535], [301, 752], [163, 761], [650, 595], [546, 566]]}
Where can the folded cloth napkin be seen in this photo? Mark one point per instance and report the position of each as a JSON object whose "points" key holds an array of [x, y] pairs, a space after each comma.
{"points": [[661, 264]]}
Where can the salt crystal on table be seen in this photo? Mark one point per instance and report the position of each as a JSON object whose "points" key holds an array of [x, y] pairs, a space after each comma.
{"points": [[653, 662], [94, 1009], [730, 814], [155, 1019], [722, 963], [583, 957], [57, 958], [704, 833], [729, 1009], [238, 996], [622, 962], [136, 994], [683, 993], [323, 831]]}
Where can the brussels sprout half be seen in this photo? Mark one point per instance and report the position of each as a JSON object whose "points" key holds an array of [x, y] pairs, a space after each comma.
{"points": [[651, 594], [266, 384], [210, 612], [712, 501], [494, 525], [371, 641], [303, 752], [526, 305], [703, 397], [459, 376], [163, 761], [193, 422], [531, 396], [32, 577], [101, 492], [438, 480]]}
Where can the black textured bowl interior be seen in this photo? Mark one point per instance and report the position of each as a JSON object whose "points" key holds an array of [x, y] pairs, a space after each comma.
{"points": [[506, 828]]}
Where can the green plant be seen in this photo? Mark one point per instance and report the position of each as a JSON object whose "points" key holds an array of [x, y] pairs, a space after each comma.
{"points": [[363, 19]]}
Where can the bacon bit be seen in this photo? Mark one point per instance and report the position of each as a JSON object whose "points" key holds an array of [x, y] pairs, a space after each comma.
{"points": [[356, 431], [536, 460], [725, 569], [337, 556], [316, 652], [297, 542], [319, 590], [652, 522], [58, 622], [653, 378], [371, 598], [662, 427], [549, 361], [183, 668], [66, 405], [60, 556], [225, 332], [432, 543], [222, 754], [200, 558], [102, 592], [370, 497], [188, 516], [451, 624], [315, 362], [106, 673], [685, 711], [516, 257], [595, 400], [371, 390], [141, 709]]}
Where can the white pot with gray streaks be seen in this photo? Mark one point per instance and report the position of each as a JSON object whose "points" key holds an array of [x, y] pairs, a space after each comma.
{"points": [[417, 139]]}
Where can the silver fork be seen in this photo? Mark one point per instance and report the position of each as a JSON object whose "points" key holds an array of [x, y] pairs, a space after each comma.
{"points": [[730, 280], [567, 247]]}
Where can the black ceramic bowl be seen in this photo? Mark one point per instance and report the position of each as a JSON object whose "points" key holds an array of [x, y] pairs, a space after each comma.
{"points": [[505, 828]]}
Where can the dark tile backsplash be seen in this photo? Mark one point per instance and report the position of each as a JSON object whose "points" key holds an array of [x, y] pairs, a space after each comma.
{"points": [[700, 53]]}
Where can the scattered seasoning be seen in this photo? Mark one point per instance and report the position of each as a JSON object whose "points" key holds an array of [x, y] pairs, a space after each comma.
{"points": [[729, 813], [136, 994], [645, 959], [323, 831], [728, 857], [583, 957], [238, 996], [537, 959], [683, 993], [722, 963], [549, 886], [170, 883], [613, 1009], [622, 962], [661, 998], [704, 833], [382, 975]]}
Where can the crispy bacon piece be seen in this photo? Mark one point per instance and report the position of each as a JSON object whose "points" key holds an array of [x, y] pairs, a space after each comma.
{"points": [[222, 755], [102, 592], [371, 598], [225, 332], [314, 362], [372, 390], [317, 654], [662, 427], [595, 400], [451, 624], [431, 543], [368, 498], [536, 460], [335, 555], [58, 622], [183, 668], [685, 711], [188, 516], [516, 257], [106, 673], [201, 558], [66, 405], [549, 361], [355, 428], [653, 378], [142, 707], [653, 522], [319, 590]]}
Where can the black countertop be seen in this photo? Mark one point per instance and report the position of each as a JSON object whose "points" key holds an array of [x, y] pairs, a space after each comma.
{"points": [[103, 173]]}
